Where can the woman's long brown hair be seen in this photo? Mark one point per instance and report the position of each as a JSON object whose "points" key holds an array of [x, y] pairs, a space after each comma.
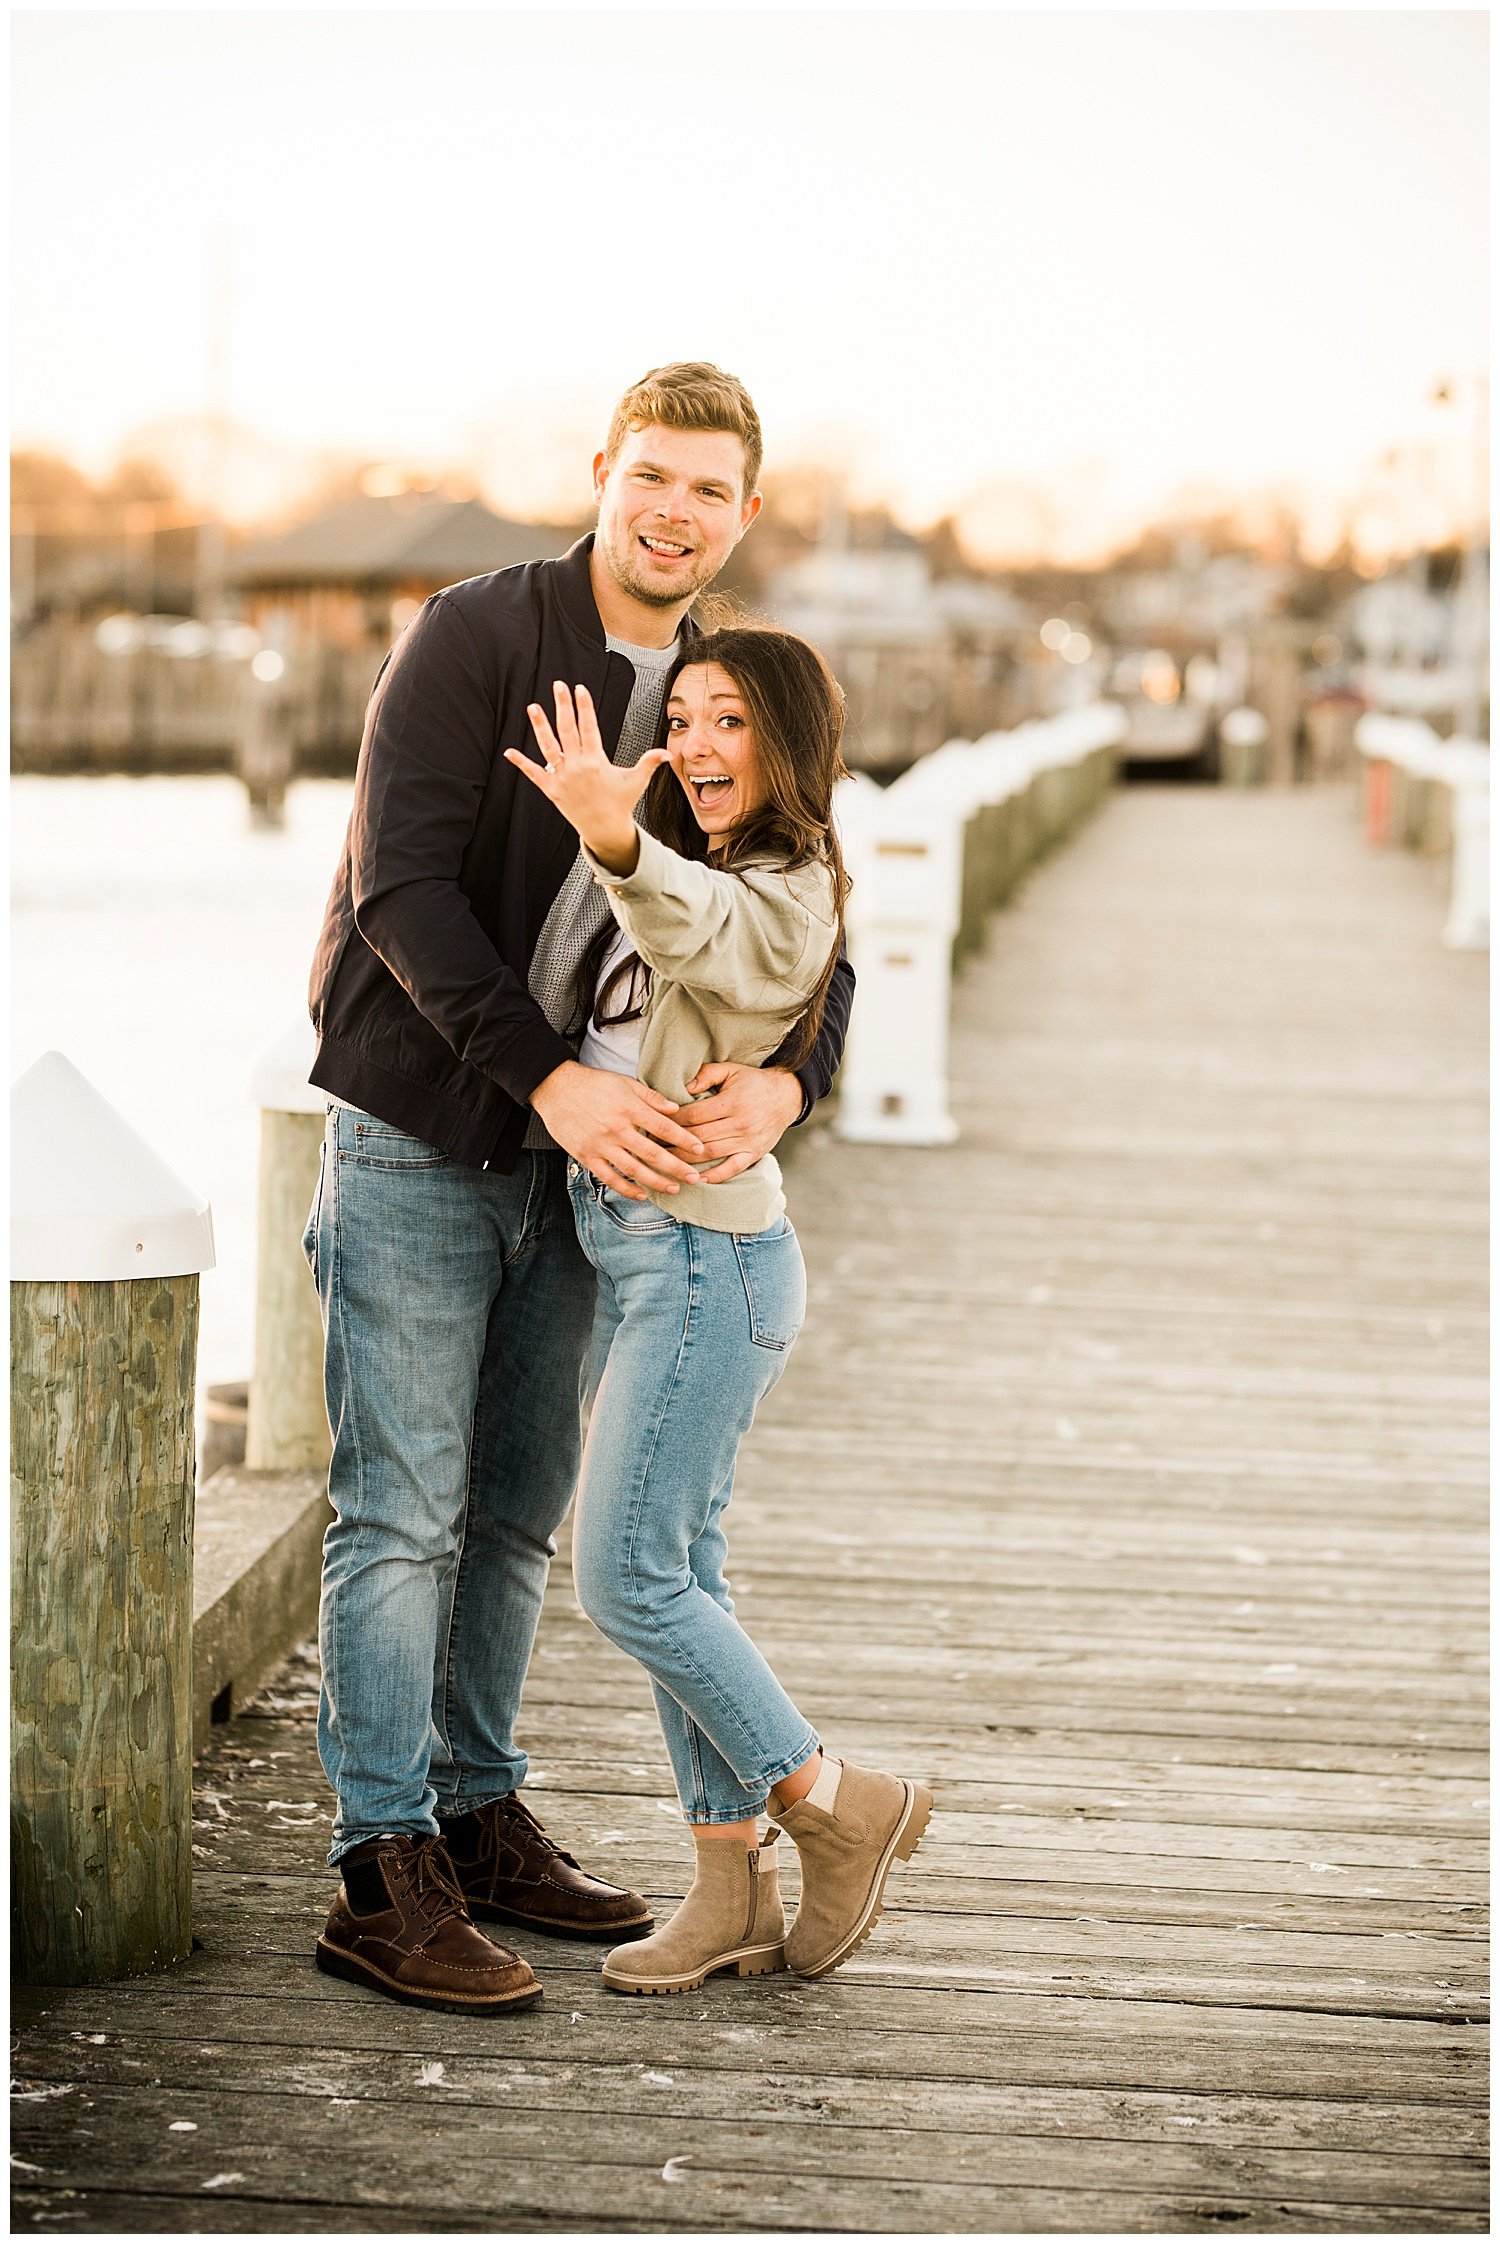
{"points": [[795, 707]]}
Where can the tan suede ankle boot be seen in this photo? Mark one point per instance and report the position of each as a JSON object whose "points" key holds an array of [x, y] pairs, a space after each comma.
{"points": [[846, 1851], [732, 1919]]}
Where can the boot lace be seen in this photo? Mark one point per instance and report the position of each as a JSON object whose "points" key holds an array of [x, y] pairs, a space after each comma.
{"points": [[513, 1810], [433, 1882]]}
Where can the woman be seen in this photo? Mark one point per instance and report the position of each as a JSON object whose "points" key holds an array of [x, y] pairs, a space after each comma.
{"points": [[726, 910]]}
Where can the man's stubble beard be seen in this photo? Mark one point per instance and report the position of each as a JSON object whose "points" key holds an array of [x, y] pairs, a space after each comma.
{"points": [[619, 556]]}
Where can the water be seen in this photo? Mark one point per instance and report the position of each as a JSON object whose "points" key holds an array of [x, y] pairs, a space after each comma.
{"points": [[161, 944]]}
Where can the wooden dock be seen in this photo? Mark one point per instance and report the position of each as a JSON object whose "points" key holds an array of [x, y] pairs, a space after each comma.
{"points": [[1128, 1485]]}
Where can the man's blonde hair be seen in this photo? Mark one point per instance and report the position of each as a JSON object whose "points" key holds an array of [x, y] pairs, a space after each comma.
{"points": [[691, 394]]}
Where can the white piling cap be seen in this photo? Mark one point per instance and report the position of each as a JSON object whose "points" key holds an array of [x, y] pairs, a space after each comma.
{"points": [[1243, 728], [89, 1198], [278, 1079]]}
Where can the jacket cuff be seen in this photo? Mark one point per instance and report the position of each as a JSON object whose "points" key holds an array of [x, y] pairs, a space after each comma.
{"points": [[644, 875], [531, 1058]]}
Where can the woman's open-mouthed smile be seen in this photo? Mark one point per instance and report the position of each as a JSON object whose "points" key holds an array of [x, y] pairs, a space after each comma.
{"points": [[713, 748]]}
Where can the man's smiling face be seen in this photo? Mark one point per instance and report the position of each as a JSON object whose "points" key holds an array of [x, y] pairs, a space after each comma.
{"points": [[672, 508]]}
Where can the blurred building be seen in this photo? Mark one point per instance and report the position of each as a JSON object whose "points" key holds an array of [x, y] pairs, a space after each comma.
{"points": [[113, 670], [1402, 619], [77, 553], [1193, 602], [922, 659], [332, 592], [1421, 635], [352, 577]]}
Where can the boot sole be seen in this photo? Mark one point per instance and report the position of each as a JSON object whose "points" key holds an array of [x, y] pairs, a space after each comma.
{"points": [[340, 1965], [746, 1963], [633, 1928], [903, 1845]]}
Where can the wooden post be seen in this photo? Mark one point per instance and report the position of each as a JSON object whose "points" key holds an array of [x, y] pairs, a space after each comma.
{"points": [[287, 1429], [1468, 925], [1330, 719], [266, 757], [1242, 748], [101, 1539], [107, 1245], [225, 1410], [1276, 691]]}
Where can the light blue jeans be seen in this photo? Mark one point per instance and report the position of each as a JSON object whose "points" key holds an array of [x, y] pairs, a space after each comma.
{"points": [[457, 1309], [691, 1329]]}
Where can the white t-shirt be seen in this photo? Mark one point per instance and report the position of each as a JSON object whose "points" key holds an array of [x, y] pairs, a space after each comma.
{"points": [[617, 1045]]}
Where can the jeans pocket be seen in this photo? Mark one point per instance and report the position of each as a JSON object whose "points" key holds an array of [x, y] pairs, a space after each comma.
{"points": [[775, 1284], [632, 1215], [375, 1145]]}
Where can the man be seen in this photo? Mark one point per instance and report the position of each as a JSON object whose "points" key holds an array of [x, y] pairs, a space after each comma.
{"points": [[456, 1300]]}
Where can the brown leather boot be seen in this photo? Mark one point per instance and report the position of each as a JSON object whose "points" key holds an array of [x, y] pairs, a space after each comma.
{"points": [[512, 1873], [399, 1924]]}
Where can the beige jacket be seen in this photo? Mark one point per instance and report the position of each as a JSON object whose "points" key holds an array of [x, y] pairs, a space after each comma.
{"points": [[734, 959]]}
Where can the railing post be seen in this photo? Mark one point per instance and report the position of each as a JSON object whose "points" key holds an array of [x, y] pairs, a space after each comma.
{"points": [[287, 1427], [1468, 923], [1432, 795], [1242, 749], [930, 857], [107, 1244], [893, 1087]]}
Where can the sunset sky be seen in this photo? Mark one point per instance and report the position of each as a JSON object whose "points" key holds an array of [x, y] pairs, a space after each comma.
{"points": [[1054, 270]]}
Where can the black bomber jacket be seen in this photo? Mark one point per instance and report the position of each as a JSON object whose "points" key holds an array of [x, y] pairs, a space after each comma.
{"points": [[452, 860]]}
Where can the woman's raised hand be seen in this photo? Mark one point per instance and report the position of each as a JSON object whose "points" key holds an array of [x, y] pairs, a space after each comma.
{"points": [[596, 797]]}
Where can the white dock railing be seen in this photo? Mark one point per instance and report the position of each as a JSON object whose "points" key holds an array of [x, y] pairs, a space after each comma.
{"points": [[1433, 796], [930, 857]]}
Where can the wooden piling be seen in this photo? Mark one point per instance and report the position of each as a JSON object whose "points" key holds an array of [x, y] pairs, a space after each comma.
{"points": [[101, 1626], [266, 754], [106, 1244], [287, 1429], [1276, 668]]}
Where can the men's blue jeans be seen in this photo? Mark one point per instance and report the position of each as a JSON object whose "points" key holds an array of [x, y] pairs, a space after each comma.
{"points": [[692, 1328], [456, 1307]]}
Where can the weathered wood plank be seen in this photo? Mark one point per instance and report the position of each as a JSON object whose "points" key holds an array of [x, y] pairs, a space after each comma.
{"points": [[570, 1707], [435, 2139], [622, 1841], [992, 2107], [738, 2206], [662, 1876], [970, 2033], [1431, 1810], [1207, 1763], [1067, 1823], [1252, 1968], [1370, 1972]]}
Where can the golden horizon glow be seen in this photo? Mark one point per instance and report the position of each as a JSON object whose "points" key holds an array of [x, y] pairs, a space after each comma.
{"points": [[1057, 274]]}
